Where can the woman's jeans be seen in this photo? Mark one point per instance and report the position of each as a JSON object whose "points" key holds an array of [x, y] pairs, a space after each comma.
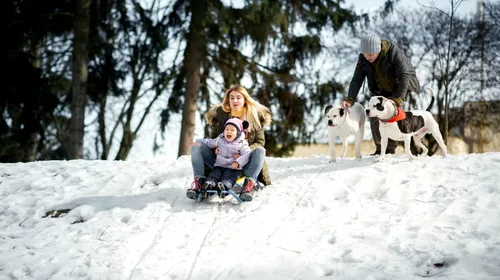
{"points": [[201, 155]]}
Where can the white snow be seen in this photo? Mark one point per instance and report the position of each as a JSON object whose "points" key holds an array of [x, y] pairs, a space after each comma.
{"points": [[354, 219]]}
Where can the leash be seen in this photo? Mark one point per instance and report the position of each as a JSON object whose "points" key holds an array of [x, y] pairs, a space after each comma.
{"points": [[364, 80], [346, 113]]}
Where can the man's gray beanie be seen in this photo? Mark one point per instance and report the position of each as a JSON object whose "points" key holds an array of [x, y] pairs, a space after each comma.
{"points": [[370, 44]]}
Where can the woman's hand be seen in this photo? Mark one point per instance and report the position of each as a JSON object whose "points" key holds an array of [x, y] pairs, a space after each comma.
{"points": [[217, 152], [235, 165]]}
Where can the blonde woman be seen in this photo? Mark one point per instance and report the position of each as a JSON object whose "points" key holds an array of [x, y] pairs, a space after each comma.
{"points": [[237, 103]]}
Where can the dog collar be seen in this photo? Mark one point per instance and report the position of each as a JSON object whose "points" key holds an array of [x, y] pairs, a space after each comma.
{"points": [[400, 115]]}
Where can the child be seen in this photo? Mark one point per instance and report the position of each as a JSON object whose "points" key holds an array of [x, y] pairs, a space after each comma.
{"points": [[228, 167]]}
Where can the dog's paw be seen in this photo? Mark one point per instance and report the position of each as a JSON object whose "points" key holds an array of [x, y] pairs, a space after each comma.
{"points": [[332, 160], [380, 158]]}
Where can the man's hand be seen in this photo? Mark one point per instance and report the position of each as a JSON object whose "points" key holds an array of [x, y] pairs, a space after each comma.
{"points": [[235, 165], [346, 103]]}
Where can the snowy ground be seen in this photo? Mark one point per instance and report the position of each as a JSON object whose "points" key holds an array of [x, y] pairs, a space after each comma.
{"points": [[346, 220]]}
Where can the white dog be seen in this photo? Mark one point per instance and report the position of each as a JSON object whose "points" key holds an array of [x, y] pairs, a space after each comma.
{"points": [[401, 126], [344, 122]]}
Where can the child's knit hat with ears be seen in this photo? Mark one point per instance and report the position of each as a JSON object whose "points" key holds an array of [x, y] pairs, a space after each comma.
{"points": [[239, 124]]}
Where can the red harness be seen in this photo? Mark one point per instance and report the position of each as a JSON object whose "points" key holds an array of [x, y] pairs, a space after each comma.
{"points": [[401, 115]]}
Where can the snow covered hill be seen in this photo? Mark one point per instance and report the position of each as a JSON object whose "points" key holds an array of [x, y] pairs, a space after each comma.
{"points": [[354, 219]]}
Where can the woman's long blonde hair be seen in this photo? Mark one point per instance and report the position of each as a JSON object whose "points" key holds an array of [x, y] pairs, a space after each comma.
{"points": [[253, 109]]}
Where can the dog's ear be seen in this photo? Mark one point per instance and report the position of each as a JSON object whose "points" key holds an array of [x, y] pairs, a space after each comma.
{"points": [[341, 112], [328, 109]]}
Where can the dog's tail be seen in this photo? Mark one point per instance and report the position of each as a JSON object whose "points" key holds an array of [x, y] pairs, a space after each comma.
{"points": [[432, 99]]}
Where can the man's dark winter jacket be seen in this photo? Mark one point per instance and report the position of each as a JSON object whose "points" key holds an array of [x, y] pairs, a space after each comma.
{"points": [[391, 75]]}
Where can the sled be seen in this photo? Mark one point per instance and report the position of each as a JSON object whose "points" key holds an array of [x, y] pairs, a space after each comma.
{"points": [[237, 187]]}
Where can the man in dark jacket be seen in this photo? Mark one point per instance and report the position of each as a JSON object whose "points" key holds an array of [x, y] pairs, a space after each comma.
{"points": [[389, 73]]}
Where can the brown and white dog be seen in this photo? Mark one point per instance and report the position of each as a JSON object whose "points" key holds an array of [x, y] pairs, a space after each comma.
{"points": [[401, 126], [344, 122]]}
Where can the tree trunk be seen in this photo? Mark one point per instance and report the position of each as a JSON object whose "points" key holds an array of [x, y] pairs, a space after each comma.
{"points": [[126, 143], [103, 98], [107, 76], [30, 147], [79, 80], [193, 58], [128, 134]]}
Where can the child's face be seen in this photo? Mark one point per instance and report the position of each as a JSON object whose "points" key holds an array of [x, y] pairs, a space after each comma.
{"points": [[230, 132]]}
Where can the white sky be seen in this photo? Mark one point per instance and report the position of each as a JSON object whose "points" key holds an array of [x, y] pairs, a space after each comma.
{"points": [[346, 220]]}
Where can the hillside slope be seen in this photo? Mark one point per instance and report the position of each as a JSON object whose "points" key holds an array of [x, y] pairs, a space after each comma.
{"points": [[354, 219]]}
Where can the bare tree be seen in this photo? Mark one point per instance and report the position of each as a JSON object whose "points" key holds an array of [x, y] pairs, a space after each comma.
{"points": [[134, 51], [445, 57], [491, 33]]}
